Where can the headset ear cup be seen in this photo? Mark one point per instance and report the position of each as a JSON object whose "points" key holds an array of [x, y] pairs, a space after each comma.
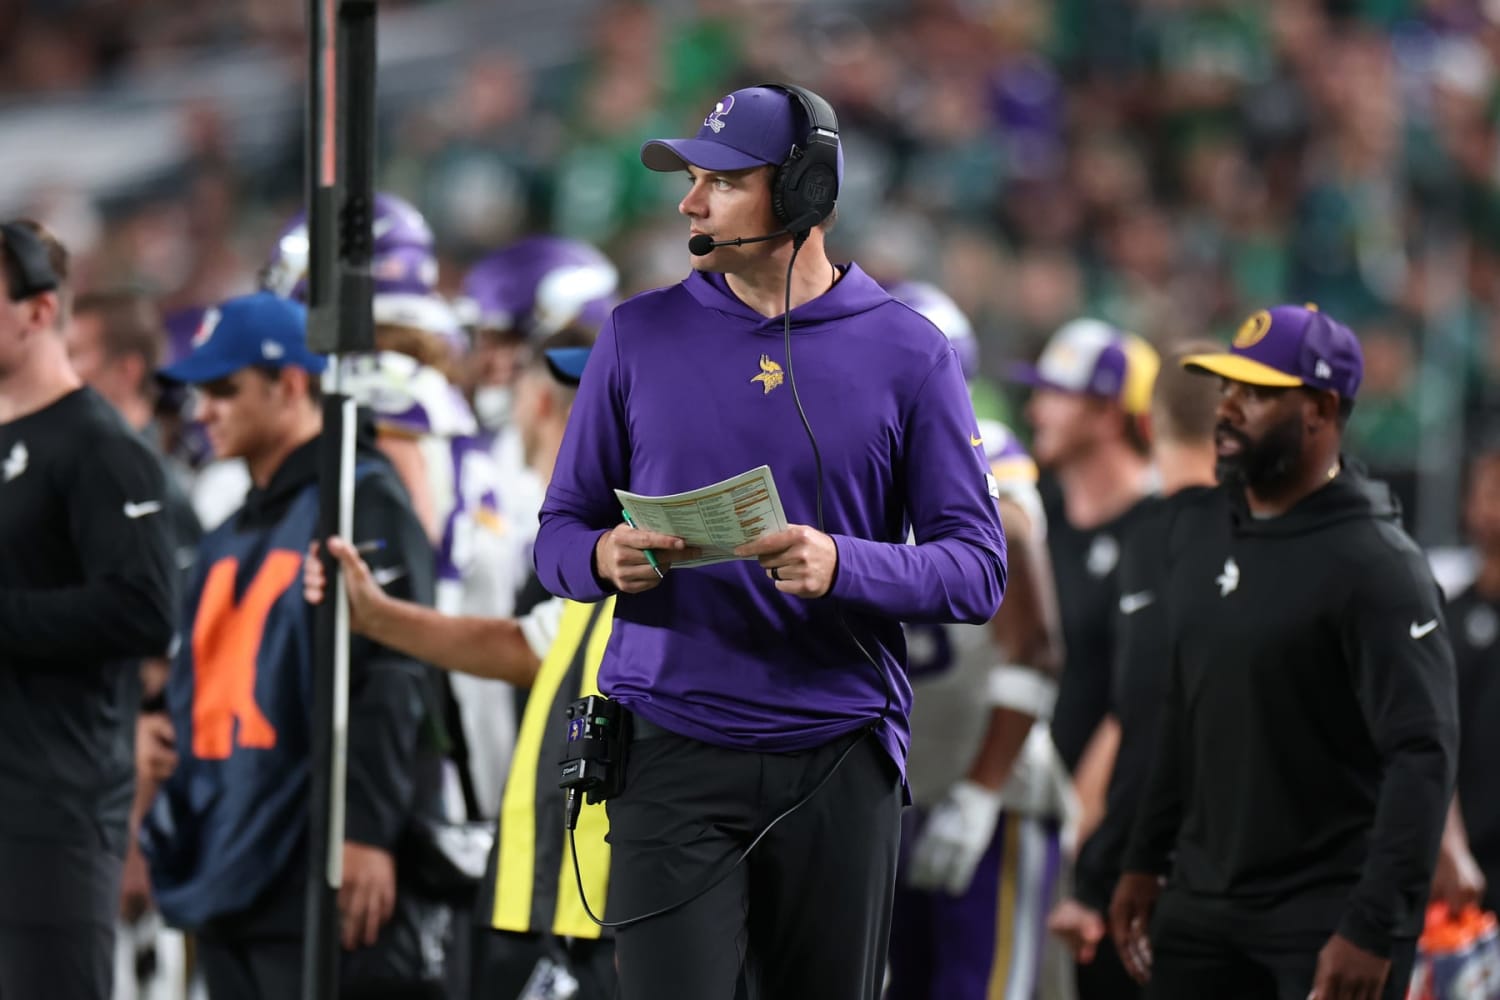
{"points": [[818, 188], [807, 183], [778, 195]]}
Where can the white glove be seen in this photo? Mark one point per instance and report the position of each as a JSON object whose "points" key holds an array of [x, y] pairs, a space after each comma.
{"points": [[957, 833]]}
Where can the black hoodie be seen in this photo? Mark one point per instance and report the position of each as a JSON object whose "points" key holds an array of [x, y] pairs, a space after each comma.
{"points": [[1309, 739]]}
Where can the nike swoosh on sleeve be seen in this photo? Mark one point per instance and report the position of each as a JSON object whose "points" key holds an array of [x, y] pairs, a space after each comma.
{"points": [[1418, 631]]}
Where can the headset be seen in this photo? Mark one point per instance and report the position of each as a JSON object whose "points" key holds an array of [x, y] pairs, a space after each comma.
{"points": [[29, 255], [803, 191], [806, 184]]}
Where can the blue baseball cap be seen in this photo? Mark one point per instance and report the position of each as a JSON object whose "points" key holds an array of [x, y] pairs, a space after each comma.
{"points": [[1289, 346], [566, 363], [753, 127], [258, 329]]}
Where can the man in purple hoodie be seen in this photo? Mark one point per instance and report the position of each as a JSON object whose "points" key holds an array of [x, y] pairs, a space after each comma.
{"points": [[769, 695]]}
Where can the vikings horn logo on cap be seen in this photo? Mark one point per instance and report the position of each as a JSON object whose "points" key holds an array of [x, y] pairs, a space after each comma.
{"points": [[1253, 329], [715, 119]]}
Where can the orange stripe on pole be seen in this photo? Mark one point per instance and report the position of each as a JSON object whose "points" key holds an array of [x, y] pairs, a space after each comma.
{"points": [[328, 169]]}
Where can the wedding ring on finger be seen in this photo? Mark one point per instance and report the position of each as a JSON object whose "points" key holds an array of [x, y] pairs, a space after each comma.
{"points": [[775, 574]]}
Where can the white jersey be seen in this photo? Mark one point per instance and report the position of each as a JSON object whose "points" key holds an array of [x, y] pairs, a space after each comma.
{"points": [[478, 568], [950, 666], [479, 574], [521, 503], [218, 490]]}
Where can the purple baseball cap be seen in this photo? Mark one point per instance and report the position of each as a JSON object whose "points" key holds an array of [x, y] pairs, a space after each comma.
{"points": [[752, 127], [1289, 346], [1089, 357]]}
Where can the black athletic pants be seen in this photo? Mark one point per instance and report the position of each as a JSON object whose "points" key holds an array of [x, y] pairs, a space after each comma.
{"points": [[505, 961], [1105, 977], [1199, 952], [806, 916], [57, 920], [257, 954]]}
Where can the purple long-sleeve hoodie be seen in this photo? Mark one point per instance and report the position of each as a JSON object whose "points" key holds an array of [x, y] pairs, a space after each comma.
{"points": [[687, 386]]}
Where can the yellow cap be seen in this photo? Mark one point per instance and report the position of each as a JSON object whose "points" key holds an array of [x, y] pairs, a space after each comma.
{"points": [[1141, 365]]}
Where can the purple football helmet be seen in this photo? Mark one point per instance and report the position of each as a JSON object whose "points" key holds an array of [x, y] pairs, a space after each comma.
{"points": [[942, 312], [403, 263], [182, 326], [539, 285], [191, 446]]}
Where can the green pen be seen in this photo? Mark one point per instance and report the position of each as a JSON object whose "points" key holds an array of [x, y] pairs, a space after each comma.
{"points": [[650, 556]]}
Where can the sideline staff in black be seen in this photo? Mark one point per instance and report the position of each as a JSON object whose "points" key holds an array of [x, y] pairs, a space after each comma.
{"points": [[1183, 414], [1474, 616], [1309, 737], [85, 593]]}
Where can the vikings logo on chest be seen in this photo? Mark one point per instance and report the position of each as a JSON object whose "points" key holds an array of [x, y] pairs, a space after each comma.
{"points": [[770, 375]]}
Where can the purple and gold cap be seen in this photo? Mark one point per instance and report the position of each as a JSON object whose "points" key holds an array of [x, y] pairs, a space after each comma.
{"points": [[1289, 346], [1089, 357], [753, 127]]}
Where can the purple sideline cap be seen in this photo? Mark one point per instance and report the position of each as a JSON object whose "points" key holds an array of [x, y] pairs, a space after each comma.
{"points": [[748, 128], [1091, 358], [1289, 346]]}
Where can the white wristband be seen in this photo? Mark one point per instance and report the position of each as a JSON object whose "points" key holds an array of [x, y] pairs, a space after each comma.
{"points": [[1023, 689]]}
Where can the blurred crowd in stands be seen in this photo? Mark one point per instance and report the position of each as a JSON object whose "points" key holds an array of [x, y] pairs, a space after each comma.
{"points": [[1167, 165]]}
